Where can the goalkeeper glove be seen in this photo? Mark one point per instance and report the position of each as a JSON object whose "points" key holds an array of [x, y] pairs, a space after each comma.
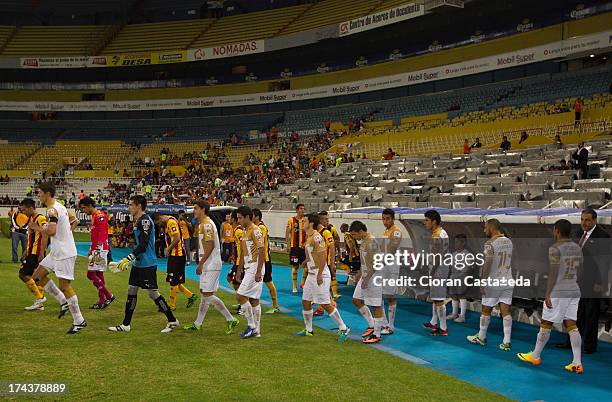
{"points": [[122, 265]]}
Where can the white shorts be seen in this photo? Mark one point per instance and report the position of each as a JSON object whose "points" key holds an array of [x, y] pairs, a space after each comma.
{"points": [[209, 279], [95, 267], [498, 296], [390, 273], [315, 293], [562, 309], [249, 287], [372, 296], [63, 269]]}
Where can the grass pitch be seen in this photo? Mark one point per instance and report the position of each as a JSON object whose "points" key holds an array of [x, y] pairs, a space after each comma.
{"points": [[147, 365]]}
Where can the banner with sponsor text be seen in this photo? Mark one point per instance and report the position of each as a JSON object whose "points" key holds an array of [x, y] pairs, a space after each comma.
{"points": [[511, 59], [381, 18]]}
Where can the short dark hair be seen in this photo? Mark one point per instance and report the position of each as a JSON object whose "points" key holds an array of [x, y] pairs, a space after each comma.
{"points": [[314, 219], [495, 223], [344, 227], [591, 212], [87, 201], [564, 227], [298, 206], [234, 214], [357, 226], [202, 204], [257, 213], [323, 213], [47, 187], [139, 200], [155, 216], [245, 211], [390, 212], [433, 215], [28, 203], [181, 211]]}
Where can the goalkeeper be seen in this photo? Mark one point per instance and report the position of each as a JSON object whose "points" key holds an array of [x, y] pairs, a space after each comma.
{"points": [[143, 264]]}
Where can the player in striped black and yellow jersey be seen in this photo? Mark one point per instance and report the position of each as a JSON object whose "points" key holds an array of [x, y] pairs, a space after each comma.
{"points": [[351, 258], [227, 239], [237, 233], [185, 227], [257, 220], [295, 238], [33, 254], [335, 244], [175, 250]]}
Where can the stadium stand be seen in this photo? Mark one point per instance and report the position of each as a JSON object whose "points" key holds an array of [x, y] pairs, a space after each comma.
{"points": [[76, 40], [156, 36], [12, 154]]}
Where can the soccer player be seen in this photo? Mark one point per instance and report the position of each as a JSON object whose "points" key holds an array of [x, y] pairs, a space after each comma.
{"points": [[227, 238], [175, 250], [367, 294], [267, 279], [393, 239], [185, 227], [437, 294], [351, 258], [331, 256], [209, 268], [497, 265], [143, 264], [237, 232], [459, 271], [62, 257], [324, 218], [562, 296], [33, 254], [252, 263], [295, 237], [316, 288], [98, 252]]}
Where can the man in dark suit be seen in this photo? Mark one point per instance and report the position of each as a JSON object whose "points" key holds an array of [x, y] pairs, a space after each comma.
{"points": [[595, 244], [581, 155]]}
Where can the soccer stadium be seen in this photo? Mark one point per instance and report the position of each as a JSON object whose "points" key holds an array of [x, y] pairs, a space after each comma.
{"points": [[286, 200]]}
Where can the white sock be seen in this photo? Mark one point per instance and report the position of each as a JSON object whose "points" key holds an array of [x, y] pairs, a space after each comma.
{"points": [[367, 314], [73, 305], [378, 323], [576, 341], [247, 309], [204, 304], [463, 306], [257, 317], [484, 325], [392, 310], [335, 315], [455, 304], [507, 320], [434, 315], [385, 321], [307, 314], [541, 340], [53, 290], [220, 307], [442, 316]]}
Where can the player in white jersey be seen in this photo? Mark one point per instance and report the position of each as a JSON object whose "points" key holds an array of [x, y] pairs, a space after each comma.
{"points": [[392, 240], [209, 268], [438, 270], [497, 266], [368, 291], [562, 296], [318, 281], [62, 256]]}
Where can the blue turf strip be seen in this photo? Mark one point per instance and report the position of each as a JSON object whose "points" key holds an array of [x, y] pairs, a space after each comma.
{"points": [[487, 367]]}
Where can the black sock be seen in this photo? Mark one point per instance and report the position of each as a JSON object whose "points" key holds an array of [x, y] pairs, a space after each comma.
{"points": [[161, 303], [130, 306]]}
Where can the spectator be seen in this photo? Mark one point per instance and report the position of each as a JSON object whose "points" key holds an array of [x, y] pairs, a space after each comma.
{"points": [[466, 147], [581, 156], [505, 144], [389, 155], [19, 229], [577, 112], [558, 141], [476, 143], [524, 137]]}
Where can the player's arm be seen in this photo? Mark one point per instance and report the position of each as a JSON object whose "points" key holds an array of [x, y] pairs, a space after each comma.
{"points": [[50, 227], [319, 256], [331, 249], [209, 244], [143, 239], [261, 252], [336, 236], [74, 221], [554, 260], [44, 243], [176, 238], [288, 234], [394, 241]]}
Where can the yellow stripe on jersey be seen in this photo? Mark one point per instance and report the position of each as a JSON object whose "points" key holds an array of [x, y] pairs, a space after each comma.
{"points": [[172, 229], [184, 229], [227, 233], [329, 241], [264, 232], [238, 232], [34, 246]]}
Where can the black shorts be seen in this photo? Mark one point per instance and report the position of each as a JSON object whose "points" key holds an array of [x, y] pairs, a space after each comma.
{"points": [[297, 256], [175, 270], [231, 275], [143, 277], [354, 265], [268, 275], [29, 265], [226, 251]]}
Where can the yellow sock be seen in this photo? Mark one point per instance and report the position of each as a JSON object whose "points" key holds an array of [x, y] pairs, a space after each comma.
{"points": [[334, 286], [272, 289], [33, 288], [173, 292], [185, 291], [42, 290], [294, 274]]}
